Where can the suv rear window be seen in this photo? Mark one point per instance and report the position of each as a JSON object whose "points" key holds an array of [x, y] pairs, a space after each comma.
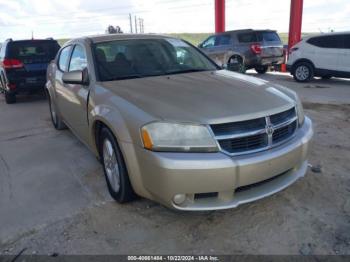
{"points": [[34, 51], [268, 37], [259, 36]]}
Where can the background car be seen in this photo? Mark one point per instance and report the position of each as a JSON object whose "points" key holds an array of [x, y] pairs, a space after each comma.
{"points": [[23, 65], [248, 48], [326, 56]]}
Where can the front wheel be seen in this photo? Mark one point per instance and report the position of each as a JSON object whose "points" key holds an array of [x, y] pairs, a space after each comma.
{"points": [[261, 69], [236, 64], [303, 72], [10, 98], [114, 167]]}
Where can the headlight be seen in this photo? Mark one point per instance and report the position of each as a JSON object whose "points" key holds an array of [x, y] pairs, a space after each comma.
{"points": [[172, 137], [300, 111]]}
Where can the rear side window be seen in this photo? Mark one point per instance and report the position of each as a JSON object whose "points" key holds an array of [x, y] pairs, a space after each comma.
{"points": [[329, 41], [247, 37], [63, 59], [33, 51], [78, 60]]}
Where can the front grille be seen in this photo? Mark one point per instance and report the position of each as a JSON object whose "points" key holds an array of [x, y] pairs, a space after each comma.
{"points": [[282, 117], [284, 132], [239, 127], [257, 134], [244, 144]]}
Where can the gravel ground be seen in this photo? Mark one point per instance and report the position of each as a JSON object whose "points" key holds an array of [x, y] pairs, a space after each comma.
{"points": [[310, 217]]}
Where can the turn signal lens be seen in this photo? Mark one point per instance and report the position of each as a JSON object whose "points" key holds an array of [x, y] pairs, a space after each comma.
{"points": [[147, 141]]}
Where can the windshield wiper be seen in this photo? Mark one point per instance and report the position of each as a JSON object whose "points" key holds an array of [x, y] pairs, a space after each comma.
{"points": [[123, 77], [192, 70]]}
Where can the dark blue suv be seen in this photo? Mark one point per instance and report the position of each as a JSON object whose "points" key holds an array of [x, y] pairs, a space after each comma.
{"points": [[23, 66]]}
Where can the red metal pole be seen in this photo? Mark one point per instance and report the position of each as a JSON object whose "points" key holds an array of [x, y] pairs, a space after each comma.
{"points": [[296, 17], [219, 16]]}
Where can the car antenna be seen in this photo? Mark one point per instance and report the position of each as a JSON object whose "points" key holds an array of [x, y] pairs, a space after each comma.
{"points": [[32, 35]]}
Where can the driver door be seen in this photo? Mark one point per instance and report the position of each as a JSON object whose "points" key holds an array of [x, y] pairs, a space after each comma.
{"points": [[73, 98]]}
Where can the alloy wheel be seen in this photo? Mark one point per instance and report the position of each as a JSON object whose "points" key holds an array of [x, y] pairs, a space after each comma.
{"points": [[111, 165], [302, 72]]}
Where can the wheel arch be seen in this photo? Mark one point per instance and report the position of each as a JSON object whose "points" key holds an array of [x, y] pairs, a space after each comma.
{"points": [[302, 60], [233, 54], [129, 156]]}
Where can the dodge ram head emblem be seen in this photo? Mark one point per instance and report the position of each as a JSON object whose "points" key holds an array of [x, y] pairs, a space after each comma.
{"points": [[269, 130]]}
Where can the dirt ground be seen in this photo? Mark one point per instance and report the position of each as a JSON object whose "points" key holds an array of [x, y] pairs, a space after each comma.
{"points": [[310, 217]]}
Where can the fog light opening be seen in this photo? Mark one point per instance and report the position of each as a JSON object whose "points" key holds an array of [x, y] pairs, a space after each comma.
{"points": [[179, 199]]}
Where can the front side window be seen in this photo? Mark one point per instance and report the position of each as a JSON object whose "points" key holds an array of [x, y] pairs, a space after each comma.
{"points": [[347, 41], [78, 60], [63, 59], [125, 59], [223, 40], [210, 42]]}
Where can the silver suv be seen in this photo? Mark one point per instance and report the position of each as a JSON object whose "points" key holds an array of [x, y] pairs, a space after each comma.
{"points": [[245, 49]]}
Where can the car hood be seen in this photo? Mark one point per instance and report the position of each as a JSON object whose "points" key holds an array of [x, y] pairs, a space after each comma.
{"points": [[203, 97]]}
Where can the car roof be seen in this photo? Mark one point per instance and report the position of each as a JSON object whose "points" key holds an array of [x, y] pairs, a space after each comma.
{"points": [[111, 37], [327, 34], [250, 30]]}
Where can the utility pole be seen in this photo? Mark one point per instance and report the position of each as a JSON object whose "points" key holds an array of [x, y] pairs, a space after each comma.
{"points": [[135, 24], [130, 19], [140, 25], [143, 26]]}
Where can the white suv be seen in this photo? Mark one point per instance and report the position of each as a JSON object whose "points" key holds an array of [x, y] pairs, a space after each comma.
{"points": [[326, 56]]}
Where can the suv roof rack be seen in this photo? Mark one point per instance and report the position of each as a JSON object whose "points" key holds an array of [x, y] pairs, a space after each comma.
{"points": [[49, 38]]}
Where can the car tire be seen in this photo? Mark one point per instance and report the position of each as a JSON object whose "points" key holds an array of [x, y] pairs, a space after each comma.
{"points": [[326, 77], [261, 69], [114, 168], [55, 118], [236, 64], [303, 72], [10, 98]]}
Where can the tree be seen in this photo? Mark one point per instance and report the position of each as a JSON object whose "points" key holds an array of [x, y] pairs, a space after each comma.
{"points": [[114, 30]]}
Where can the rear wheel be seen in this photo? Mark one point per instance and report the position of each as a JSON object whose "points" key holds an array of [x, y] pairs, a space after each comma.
{"points": [[55, 118], [261, 69], [303, 72], [114, 167], [10, 98]]}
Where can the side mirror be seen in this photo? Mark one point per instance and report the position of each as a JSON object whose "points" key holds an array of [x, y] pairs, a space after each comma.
{"points": [[78, 77], [200, 45]]}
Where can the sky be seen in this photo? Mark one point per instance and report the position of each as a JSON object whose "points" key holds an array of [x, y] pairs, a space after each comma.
{"points": [[73, 18]]}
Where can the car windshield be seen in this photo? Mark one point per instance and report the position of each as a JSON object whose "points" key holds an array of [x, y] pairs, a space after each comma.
{"points": [[137, 58]]}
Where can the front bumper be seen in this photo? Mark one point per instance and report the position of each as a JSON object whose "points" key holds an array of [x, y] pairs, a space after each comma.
{"points": [[224, 181]]}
